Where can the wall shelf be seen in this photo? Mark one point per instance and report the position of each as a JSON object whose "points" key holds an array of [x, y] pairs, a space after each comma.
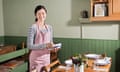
{"points": [[84, 20]]}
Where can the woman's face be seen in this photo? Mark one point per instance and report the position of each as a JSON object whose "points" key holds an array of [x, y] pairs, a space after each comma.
{"points": [[41, 15]]}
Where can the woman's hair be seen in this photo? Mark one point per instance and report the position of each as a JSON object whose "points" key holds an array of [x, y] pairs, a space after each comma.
{"points": [[38, 8]]}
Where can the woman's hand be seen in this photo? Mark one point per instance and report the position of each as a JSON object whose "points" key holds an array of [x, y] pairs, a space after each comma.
{"points": [[49, 45], [55, 49]]}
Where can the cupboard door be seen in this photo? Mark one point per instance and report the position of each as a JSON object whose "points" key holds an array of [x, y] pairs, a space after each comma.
{"points": [[113, 10], [115, 7]]}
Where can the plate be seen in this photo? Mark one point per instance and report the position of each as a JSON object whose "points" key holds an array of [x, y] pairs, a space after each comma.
{"points": [[101, 62], [58, 45], [94, 56]]}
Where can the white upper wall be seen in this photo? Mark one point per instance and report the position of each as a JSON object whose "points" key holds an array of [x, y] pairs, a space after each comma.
{"points": [[1, 19], [19, 15], [63, 15]]}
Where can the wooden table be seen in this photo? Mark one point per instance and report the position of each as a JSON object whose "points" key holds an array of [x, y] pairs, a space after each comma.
{"points": [[87, 69]]}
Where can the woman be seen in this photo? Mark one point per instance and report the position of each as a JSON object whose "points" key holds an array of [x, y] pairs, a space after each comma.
{"points": [[39, 40]]}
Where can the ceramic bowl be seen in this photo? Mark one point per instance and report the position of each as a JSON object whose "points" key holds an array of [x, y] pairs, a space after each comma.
{"points": [[68, 62]]}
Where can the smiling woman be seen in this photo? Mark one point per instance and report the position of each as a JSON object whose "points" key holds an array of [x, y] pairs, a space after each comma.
{"points": [[39, 40]]}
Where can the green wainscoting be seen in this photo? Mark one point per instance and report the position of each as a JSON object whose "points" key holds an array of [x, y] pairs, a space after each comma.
{"points": [[1, 39], [75, 46], [72, 46], [15, 40]]}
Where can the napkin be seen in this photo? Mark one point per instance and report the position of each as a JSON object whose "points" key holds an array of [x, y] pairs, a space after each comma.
{"points": [[101, 69], [104, 61], [62, 67]]}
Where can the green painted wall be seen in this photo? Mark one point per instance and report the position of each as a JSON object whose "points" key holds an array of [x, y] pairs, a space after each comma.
{"points": [[15, 40], [1, 39], [71, 46]]}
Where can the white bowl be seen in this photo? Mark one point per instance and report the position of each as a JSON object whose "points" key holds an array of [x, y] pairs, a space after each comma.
{"points": [[68, 62]]}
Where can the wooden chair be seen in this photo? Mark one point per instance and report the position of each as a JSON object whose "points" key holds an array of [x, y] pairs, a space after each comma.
{"points": [[49, 67], [53, 55]]}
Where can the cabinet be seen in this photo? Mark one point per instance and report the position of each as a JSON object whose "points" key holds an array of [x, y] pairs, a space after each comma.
{"points": [[110, 11], [13, 55], [115, 10], [84, 20]]}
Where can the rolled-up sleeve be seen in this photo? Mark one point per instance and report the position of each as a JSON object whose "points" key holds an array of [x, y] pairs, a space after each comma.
{"points": [[51, 33]]}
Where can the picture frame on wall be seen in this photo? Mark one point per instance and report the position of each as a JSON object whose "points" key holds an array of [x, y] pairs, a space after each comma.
{"points": [[100, 10]]}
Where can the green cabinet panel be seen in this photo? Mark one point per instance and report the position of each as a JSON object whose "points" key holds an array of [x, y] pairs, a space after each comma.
{"points": [[11, 55], [22, 68]]}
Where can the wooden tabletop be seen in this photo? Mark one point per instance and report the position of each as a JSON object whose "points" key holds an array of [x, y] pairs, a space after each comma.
{"points": [[90, 68]]}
